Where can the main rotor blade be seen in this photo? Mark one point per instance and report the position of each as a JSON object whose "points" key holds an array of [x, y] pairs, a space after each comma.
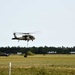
{"points": [[21, 33], [26, 33]]}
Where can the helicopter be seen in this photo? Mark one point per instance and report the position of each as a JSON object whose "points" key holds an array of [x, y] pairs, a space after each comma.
{"points": [[25, 36]]}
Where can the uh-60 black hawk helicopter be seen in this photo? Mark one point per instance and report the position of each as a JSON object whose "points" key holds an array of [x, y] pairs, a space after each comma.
{"points": [[25, 36]]}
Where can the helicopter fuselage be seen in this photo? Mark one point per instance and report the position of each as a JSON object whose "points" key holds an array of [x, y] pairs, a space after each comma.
{"points": [[24, 37]]}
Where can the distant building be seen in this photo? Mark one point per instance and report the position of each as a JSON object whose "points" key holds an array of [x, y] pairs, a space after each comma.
{"points": [[72, 52], [51, 52], [19, 53]]}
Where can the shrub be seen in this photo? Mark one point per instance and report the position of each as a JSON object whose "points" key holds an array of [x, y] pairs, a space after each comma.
{"points": [[29, 53]]}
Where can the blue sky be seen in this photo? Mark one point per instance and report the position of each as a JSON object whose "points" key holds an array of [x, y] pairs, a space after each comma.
{"points": [[53, 19]]}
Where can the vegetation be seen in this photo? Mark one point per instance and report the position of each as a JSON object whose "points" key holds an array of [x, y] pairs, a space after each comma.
{"points": [[60, 61], [39, 65], [30, 53], [38, 50]]}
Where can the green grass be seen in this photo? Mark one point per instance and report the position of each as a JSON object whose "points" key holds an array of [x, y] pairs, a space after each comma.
{"points": [[38, 65]]}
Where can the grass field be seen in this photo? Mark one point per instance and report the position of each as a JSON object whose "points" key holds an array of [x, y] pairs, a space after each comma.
{"points": [[38, 65]]}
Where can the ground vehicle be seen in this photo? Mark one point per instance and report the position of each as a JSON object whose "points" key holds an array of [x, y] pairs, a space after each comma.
{"points": [[4, 54]]}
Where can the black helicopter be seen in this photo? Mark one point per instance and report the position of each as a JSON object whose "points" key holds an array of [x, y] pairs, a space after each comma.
{"points": [[25, 36]]}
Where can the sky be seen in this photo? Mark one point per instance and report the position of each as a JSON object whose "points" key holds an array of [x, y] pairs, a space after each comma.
{"points": [[54, 21]]}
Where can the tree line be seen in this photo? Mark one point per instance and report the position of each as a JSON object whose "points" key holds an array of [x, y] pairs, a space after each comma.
{"points": [[38, 50]]}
